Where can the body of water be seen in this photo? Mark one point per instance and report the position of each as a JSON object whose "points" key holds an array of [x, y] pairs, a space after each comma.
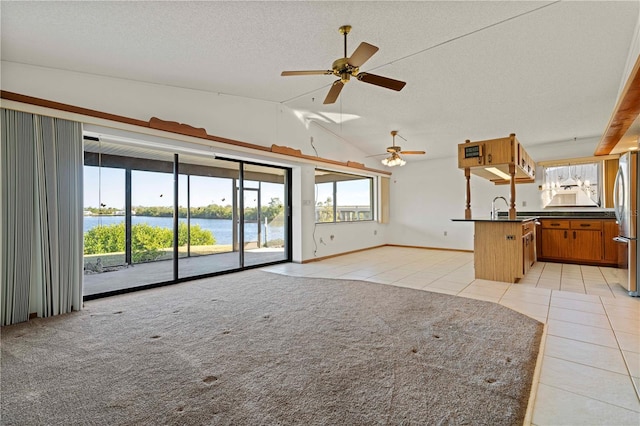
{"points": [[222, 229]]}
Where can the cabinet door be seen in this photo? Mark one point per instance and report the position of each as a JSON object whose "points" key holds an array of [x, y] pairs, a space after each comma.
{"points": [[610, 230], [532, 248], [526, 263], [471, 155], [499, 151], [586, 245], [555, 243]]}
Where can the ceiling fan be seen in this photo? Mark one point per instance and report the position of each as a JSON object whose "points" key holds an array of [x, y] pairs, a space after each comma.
{"points": [[394, 159], [348, 67]]}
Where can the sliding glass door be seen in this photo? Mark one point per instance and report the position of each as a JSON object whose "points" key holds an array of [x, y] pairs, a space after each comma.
{"points": [[206, 223], [177, 216], [265, 224]]}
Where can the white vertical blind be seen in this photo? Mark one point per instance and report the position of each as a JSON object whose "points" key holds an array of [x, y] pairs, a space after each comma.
{"points": [[41, 169]]}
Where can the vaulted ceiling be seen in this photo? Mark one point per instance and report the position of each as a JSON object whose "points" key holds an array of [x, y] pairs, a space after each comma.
{"points": [[547, 71]]}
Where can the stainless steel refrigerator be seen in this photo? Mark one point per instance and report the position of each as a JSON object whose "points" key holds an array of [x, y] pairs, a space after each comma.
{"points": [[625, 199]]}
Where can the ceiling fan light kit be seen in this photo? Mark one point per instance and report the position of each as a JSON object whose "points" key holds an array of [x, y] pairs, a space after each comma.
{"points": [[394, 159], [348, 67]]}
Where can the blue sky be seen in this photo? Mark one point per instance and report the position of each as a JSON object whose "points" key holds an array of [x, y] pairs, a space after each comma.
{"points": [[106, 185]]}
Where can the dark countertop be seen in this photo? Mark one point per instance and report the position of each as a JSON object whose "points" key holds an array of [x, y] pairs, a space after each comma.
{"points": [[550, 214], [499, 220]]}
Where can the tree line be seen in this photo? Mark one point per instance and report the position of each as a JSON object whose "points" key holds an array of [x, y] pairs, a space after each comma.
{"points": [[212, 211]]}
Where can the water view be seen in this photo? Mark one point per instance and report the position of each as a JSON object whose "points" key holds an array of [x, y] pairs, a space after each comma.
{"points": [[220, 228]]}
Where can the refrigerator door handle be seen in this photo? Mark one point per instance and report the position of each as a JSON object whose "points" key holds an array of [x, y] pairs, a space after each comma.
{"points": [[621, 240], [616, 200]]}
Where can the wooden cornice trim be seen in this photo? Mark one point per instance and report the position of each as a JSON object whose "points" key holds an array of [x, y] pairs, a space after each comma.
{"points": [[10, 96], [175, 127], [286, 151], [178, 128], [624, 114]]}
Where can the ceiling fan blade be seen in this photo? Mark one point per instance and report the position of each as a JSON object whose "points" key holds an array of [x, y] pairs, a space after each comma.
{"points": [[377, 80], [311, 72], [362, 54], [377, 155], [412, 152], [334, 92]]}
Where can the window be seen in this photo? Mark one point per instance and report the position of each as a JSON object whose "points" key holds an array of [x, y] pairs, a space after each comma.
{"points": [[342, 197], [572, 185]]}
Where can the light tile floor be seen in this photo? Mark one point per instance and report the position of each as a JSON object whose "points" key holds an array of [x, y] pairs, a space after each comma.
{"points": [[590, 372]]}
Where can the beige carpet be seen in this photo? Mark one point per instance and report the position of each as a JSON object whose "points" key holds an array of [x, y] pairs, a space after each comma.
{"points": [[255, 348]]}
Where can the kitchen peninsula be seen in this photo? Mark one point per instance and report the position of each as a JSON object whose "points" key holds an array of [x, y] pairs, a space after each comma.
{"points": [[504, 248]]}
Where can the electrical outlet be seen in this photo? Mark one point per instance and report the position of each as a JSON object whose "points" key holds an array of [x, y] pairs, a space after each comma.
{"points": [[445, 233], [524, 204], [331, 237]]}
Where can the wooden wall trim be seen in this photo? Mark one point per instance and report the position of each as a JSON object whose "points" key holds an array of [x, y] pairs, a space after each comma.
{"points": [[180, 129], [624, 114]]}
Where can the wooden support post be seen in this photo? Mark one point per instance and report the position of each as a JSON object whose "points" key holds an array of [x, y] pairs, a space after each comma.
{"points": [[512, 207], [467, 210]]}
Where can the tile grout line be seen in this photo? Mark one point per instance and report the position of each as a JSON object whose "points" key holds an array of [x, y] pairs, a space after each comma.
{"points": [[624, 358], [593, 399]]}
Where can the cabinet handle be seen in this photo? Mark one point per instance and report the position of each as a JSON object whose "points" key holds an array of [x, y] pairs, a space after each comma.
{"points": [[565, 234], [490, 158], [555, 224], [585, 224], [574, 235]]}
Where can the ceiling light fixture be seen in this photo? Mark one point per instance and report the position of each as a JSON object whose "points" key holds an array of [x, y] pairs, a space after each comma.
{"points": [[498, 172], [393, 160]]}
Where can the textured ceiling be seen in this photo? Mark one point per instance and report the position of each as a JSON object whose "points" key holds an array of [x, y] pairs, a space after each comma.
{"points": [[547, 71]]}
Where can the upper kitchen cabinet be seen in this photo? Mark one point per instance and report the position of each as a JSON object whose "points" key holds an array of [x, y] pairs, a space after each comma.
{"points": [[491, 159]]}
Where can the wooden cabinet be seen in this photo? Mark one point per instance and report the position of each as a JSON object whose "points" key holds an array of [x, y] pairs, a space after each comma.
{"points": [[528, 252], [484, 157], [503, 249], [555, 244], [577, 241]]}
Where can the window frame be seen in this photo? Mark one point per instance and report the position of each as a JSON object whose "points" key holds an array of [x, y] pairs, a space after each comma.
{"points": [[334, 196], [547, 191]]}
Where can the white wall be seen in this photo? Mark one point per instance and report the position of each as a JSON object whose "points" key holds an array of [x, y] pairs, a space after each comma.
{"points": [[426, 195], [634, 52]]}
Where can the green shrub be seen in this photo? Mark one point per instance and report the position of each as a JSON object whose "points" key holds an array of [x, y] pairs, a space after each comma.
{"points": [[147, 242], [104, 239]]}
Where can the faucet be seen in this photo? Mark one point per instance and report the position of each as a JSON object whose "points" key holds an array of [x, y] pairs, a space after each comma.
{"points": [[494, 210]]}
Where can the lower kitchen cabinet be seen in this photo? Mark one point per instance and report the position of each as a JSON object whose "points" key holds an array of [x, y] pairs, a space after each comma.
{"points": [[554, 244], [504, 250], [577, 241]]}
